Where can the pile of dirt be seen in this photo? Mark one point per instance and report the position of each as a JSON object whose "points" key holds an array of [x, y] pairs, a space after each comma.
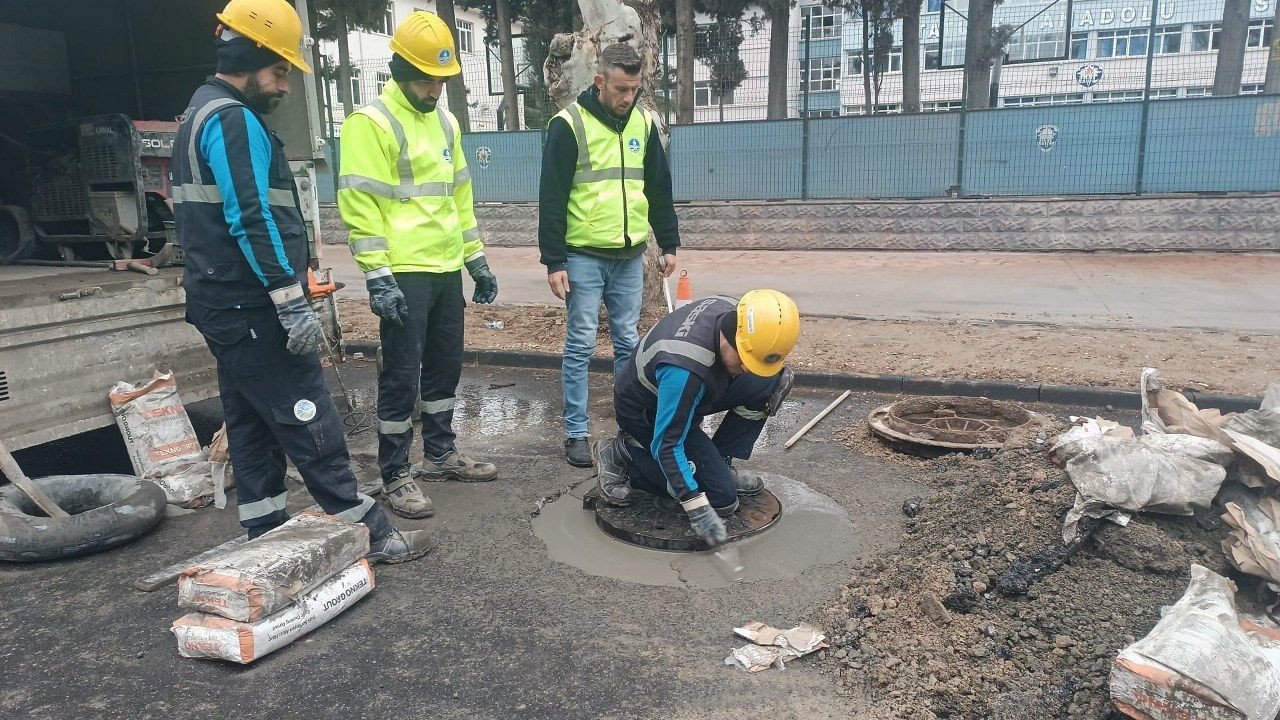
{"points": [[940, 627]]}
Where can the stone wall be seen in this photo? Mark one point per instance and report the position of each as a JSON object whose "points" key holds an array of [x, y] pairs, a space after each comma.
{"points": [[1249, 222]]}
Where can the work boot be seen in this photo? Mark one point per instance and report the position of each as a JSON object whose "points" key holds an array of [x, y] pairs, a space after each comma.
{"points": [[405, 497], [578, 452], [455, 466], [612, 460], [749, 483], [400, 546]]}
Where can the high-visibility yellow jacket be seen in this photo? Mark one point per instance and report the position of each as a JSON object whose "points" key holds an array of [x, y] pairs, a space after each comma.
{"points": [[404, 189], [607, 203]]}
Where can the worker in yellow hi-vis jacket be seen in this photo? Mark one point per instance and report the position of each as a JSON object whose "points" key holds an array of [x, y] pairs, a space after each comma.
{"points": [[405, 195]]}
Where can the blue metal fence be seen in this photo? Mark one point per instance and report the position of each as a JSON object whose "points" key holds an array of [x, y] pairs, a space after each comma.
{"points": [[1229, 144]]}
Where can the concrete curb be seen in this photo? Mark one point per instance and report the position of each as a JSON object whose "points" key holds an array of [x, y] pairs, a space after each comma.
{"points": [[1074, 395]]}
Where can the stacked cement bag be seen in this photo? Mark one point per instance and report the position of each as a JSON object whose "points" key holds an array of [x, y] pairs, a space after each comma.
{"points": [[272, 590]]}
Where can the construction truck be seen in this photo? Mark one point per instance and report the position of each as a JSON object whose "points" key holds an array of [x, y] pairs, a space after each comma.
{"points": [[90, 269]]}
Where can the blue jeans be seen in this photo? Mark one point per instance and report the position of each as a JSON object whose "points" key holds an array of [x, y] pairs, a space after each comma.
{"points": [[621, 284]]}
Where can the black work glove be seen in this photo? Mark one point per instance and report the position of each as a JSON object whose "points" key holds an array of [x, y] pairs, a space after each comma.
{"points": [[385, 299], [486, 283], [298, 319], [706, 523]]}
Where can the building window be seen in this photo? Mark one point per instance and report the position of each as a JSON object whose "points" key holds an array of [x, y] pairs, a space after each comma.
{"points": [[1080, 45], [1197, 92], [387, 23], [706, 94], [355, 88], [1122, 43], [941, 105], [932, 56], [824, 113], [1040, 100], [1117, 96], [889, 63], [934, 6], [466, 36], [381, 81], [1204, 36], [1169, 40], [823, 22], [1035, 46], [1260, 33], [824, 74], [1164, 93], [888, 109], [1252, 89]]}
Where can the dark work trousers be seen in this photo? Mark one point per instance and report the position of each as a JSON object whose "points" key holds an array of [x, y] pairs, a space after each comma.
{"points": [[275, 405], [735, 438], [421, 365]]}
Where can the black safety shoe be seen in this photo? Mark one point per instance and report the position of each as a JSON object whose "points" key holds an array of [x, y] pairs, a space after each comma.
{"points": [[748, 483], [578, 452], [401, 546], [612, 462]]}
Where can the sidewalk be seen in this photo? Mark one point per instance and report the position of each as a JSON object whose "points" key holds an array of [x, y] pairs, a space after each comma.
{"points": [[1216, 291]]}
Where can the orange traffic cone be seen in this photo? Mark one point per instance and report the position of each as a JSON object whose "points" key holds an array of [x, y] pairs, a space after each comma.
{"points": [[684, 290]]}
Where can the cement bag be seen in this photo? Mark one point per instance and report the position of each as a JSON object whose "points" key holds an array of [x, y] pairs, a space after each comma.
{"points": [[1156, 473], [209, 636], [269, 573], [1085, 435], [1197, 662], [161, 442], [1253, 546]]}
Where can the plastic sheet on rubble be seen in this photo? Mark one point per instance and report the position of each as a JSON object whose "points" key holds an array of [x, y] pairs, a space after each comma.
{"points": [[1202, 660], [1253, 546], [1115, 476], [1085, 435], [773, 647]]}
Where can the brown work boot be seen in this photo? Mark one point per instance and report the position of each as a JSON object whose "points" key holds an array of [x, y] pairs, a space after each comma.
{"points": [[405, 497], [455, 466]]}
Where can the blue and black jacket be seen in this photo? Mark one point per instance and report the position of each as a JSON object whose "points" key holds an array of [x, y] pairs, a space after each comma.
{"points": [[236, 210], [673, 379]]}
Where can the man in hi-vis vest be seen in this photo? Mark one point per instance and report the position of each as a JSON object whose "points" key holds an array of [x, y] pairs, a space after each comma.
{"points": [[405, 195], [605, 182]]}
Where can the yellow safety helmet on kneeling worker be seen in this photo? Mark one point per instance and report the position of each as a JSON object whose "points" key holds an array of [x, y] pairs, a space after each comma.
{"points": [[426, 41], [768, 326], [273, 24]]}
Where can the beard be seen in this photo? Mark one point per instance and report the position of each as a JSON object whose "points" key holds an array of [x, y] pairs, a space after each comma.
{"points": [[424, 105], [263, 102]]}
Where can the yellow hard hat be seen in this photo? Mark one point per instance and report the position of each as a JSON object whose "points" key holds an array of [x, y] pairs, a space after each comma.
{"points": [[426, 41], [768, 325], [273, 24]]}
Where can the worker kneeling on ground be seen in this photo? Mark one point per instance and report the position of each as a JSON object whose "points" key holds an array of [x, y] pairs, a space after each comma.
{"points": [[710, 356], [405, 194], [237, 217]]}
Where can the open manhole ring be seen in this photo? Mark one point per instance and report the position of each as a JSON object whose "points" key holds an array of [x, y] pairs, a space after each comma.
{"points": [[661, 524], [938, 425]]}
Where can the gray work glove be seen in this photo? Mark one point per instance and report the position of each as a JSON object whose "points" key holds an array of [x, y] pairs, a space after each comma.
{"points": [[385, 299], [706, 523], [486, 283], [298, 319]]}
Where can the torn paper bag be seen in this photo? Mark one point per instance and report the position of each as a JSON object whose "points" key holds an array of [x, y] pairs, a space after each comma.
{"points": [[773, 647]]}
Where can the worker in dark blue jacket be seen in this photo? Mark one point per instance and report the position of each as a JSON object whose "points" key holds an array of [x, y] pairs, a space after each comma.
{"points": [[240, 224]]}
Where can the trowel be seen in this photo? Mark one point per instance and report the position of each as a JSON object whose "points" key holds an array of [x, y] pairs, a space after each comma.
{"points": [[728, 561]]}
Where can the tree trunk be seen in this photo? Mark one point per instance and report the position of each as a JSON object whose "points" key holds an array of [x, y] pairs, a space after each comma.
{"points": [[868, 104], [344, 60], [574, 59], [1272, 86], [911, 57], [1235, 32], [779, 57], [684, 62], [977, 60], [456, 87], [510, 95]]}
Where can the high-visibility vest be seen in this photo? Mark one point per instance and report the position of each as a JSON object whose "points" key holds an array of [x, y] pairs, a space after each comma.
{"points": [[607, 205], [404, 188]]}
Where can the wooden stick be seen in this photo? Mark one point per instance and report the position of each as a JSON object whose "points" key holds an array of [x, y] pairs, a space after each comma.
{"points": [[160, 578], [14, 472], [809, 425]]}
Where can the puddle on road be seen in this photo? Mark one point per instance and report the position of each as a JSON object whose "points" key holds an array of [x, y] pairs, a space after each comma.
{"points": [[813, 530]]}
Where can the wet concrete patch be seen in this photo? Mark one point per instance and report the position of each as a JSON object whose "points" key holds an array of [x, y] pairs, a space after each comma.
{"points": [[814, 530]]}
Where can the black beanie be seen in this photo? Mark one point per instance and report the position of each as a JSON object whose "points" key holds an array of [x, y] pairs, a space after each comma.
{"points": [[729, 326], [404, 71], [237, 54]]}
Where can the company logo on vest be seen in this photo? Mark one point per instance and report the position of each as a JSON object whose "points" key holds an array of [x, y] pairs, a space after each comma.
{"points": [[634, 145]]}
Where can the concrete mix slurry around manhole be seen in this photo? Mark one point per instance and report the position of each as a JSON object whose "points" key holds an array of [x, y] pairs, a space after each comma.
{"points": [[813, 530]]}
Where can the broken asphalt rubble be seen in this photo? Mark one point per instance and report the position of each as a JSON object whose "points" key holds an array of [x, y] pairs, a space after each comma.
{"points": [[772, 647]]}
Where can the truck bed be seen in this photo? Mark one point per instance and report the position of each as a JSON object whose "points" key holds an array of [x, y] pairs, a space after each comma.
{"points": [[68, 335]]}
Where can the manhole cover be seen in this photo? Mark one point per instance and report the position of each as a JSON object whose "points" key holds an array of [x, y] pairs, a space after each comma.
{"points": [[660, 523], [938, 425]]}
